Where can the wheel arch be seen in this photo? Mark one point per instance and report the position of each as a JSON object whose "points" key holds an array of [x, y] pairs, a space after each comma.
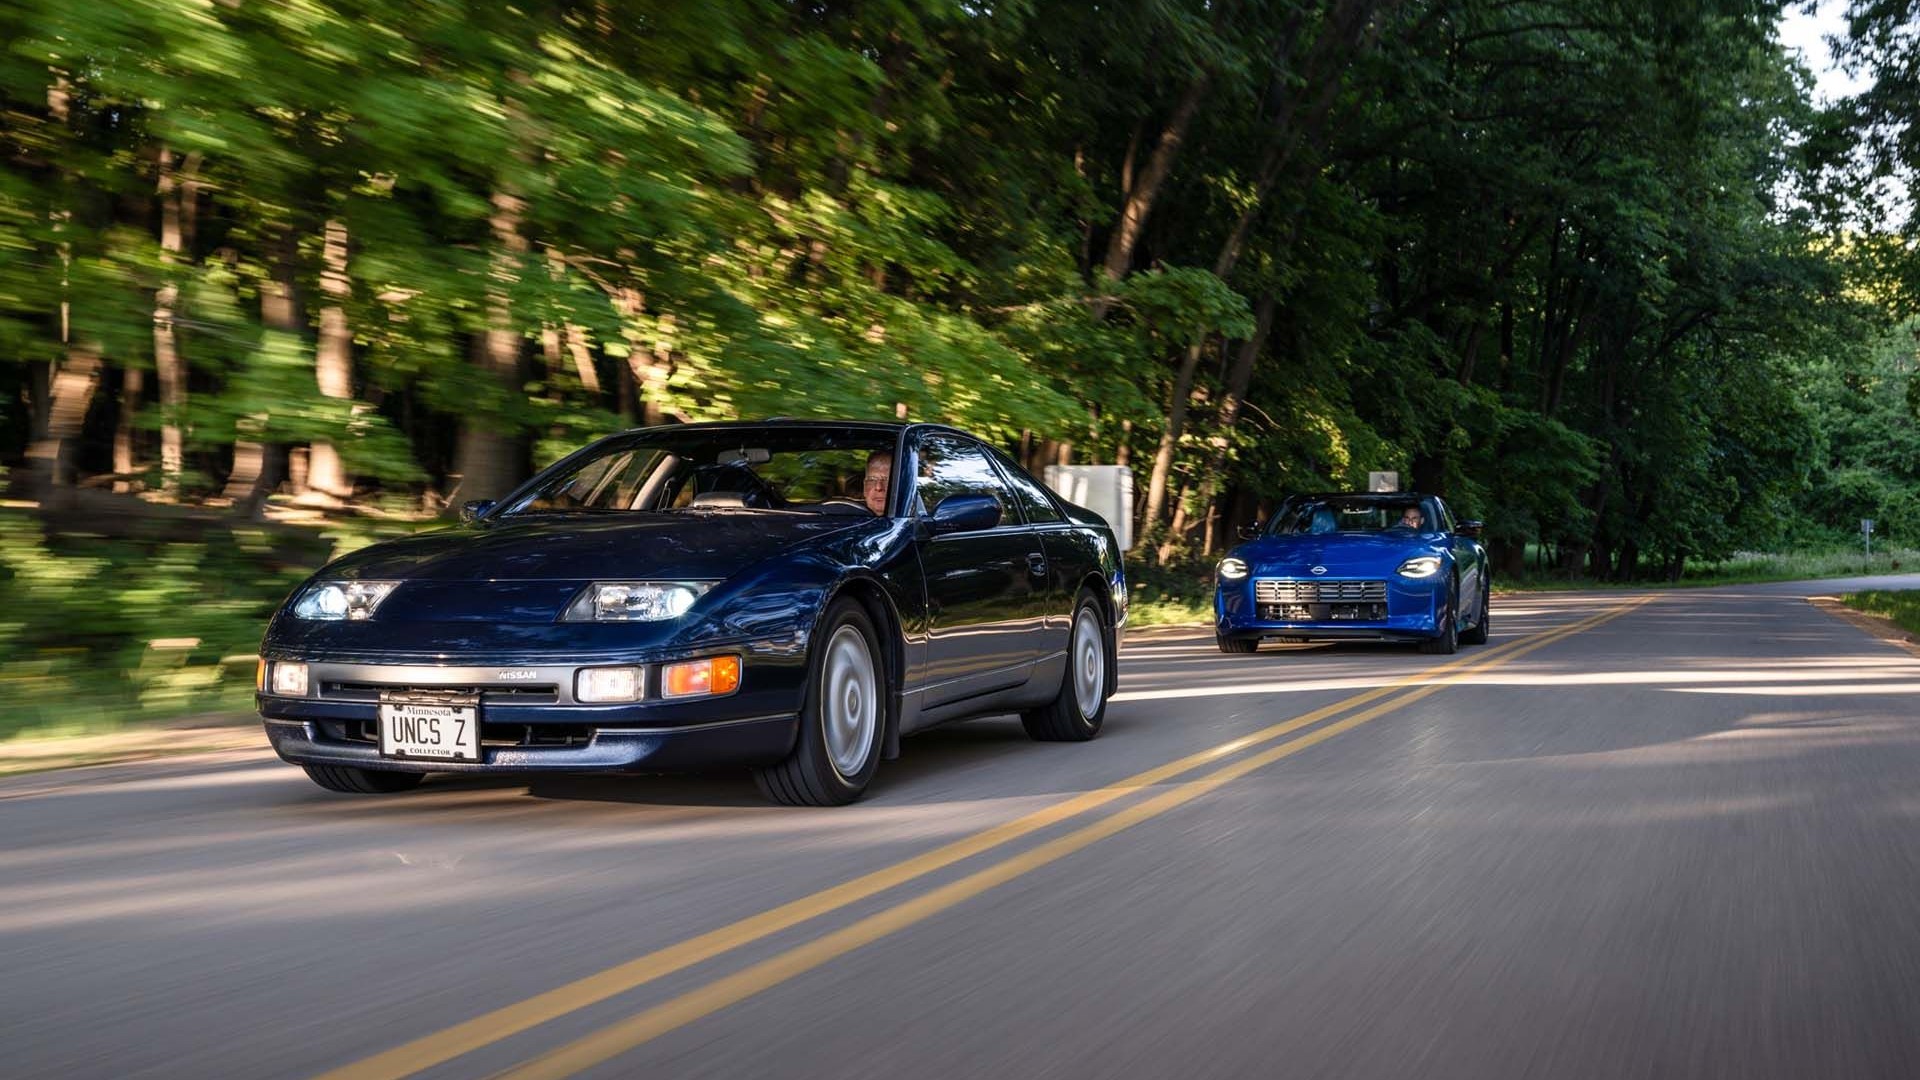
{"points": [[872, 597], [1096, 584]]}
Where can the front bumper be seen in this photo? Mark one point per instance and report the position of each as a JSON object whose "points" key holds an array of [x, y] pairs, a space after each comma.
{"points": [[531, 722], [749, 741], [1411, 611]]}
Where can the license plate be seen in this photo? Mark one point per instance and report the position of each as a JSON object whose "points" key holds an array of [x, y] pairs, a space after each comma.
{"points": [[436, 732]]}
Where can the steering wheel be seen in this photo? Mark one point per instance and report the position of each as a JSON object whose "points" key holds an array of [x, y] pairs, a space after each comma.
{"points": [[754, 491]]}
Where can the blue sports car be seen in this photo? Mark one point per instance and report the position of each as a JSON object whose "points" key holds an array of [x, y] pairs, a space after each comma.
{"points": [[1392, 567], [788, 596]]}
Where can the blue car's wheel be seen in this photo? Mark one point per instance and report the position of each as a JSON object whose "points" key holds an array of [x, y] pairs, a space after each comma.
{"points": [[1236, 644], [1447, 641], [1477, 634], [842, 721]]}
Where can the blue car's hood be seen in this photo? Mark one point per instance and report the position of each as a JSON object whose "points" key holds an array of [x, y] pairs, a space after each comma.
{"points": [[1342, 554], [581, 547]]}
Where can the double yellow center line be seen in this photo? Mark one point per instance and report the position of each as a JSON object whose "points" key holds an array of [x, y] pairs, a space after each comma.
{"points": [[489, 1028]]}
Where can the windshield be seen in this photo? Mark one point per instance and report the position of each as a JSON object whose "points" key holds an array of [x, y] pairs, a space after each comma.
{"points": [[1358, 515], [704, 469]]}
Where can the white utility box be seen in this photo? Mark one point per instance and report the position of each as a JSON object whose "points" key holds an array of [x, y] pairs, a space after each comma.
{"points": [[1106, 490]]}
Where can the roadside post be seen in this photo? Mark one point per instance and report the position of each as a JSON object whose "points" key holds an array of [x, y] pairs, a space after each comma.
{"points": [[1866, 533]]}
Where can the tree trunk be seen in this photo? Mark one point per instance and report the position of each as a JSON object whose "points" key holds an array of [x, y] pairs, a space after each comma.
{"points": [[256, 464], [1239, 378], [133, 386], [49, 459], [332, 361], [170, 369], [1139, 201], [41, 375], [1170, 435], [488, 459]]}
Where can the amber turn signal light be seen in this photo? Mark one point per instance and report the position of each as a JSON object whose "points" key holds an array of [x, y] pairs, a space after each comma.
{"points": [[694, 678]]}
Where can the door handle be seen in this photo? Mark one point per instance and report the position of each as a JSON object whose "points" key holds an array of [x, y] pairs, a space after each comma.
{"points": [[1036, 564]]}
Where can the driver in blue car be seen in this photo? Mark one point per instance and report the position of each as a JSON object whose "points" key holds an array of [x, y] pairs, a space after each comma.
{"points": [[879, 476], [1413, 519]]}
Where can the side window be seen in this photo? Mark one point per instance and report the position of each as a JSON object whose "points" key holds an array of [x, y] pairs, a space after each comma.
{"points": [[1033, 500], [1444, 520], [952, 466]]}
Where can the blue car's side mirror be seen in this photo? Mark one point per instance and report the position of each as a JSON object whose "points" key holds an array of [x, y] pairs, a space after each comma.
{"points": [[471, 511], [1470, 529], [965, 513]]}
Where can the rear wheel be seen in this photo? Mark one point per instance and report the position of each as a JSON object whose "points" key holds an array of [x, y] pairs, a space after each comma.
{"points": [[1236, 644], [1478, 634], [1447, 642], [843, 719], [358, 781], [1078, 710]]}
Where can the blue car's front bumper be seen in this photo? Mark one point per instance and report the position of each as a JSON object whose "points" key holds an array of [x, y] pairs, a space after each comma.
{"points": [[1397, 609]]}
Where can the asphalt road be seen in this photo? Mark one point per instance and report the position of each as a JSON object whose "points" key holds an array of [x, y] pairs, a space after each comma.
{"points": [[1635, 836]]}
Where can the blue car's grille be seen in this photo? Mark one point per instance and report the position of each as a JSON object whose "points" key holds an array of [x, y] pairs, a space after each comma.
{"points": [[1310, 591]]}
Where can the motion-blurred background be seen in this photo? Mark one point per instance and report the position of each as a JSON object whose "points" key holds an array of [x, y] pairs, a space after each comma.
{"points": [[280, 277]]}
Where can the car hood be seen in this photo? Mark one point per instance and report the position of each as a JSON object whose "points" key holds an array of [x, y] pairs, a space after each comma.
{"points": [[1342, 554], [582, 547]]}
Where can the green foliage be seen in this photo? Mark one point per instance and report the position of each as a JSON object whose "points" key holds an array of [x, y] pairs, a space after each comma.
{"points": [[1601, 274]]}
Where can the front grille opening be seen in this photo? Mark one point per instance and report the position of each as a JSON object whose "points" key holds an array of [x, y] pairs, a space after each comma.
{"points": [[529, 694], [1324, 612], [492, 733]]}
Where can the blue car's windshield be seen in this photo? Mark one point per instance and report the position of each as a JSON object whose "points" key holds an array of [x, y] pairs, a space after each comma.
{"points": [[1372, 514], [700, 469]]}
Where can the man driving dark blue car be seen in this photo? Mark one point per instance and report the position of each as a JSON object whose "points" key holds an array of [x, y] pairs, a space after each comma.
{"points": [[792, 597]]}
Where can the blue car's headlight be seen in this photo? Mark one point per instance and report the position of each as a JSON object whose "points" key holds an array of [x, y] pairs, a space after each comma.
{"points": [[1420, 566], [1232, 569], [336, 600], [634, 601]]}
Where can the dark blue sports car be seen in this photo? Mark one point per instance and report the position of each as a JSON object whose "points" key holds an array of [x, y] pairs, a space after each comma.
{"points": [[789, 596], [1393, 567]]}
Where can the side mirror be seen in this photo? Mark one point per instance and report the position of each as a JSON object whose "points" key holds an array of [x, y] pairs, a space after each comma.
{"points": [[1470, 529], [965, 513], [1250, 531], [471, 511]]}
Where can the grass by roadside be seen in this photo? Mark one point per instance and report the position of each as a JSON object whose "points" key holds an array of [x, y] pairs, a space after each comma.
{"points": [[1745, 568], [140, 621], [1900, 605]]}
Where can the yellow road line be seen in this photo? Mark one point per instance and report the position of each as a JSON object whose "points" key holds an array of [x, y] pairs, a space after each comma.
{"points": [[487, 1028], [610, 1042]]}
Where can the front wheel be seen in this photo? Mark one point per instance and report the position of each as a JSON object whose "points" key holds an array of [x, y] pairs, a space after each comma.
{"points": [[1447, 641], [1478, 634], [357, 781], [1077, 711], [1240, 645], [842, 721]]}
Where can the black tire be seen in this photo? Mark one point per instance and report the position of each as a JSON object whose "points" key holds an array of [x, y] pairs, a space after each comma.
{"points": [[810, 776], [357, 781], [1477, 635], [1077, 711], [1241, 645], [1447, 642]]}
